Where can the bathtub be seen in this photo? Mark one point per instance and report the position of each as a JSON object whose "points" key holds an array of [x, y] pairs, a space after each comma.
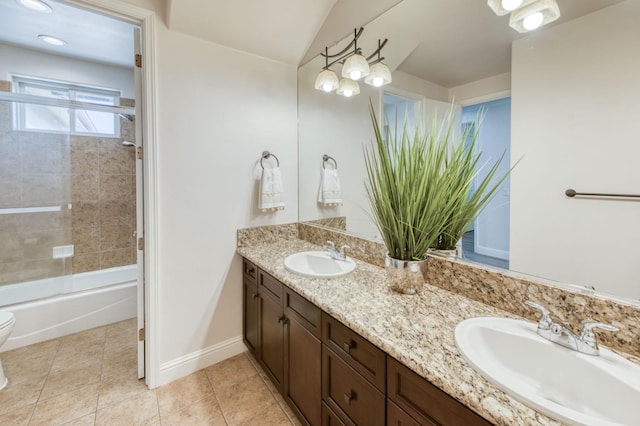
{"points": [[91, 299]]}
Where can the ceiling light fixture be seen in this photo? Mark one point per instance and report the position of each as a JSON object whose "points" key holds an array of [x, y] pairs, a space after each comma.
{"points": [[355, 66], [348, 88], [502, 7], [36, 5], [327, 80], [534, 15], [379, 73], [55, 41]]}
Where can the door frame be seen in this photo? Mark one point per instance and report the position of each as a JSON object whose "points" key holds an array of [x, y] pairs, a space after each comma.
{"points": [[147, 21]]}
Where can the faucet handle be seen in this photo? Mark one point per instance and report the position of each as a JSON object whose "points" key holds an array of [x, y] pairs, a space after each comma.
{"points": [[545, 318], [343, 248], [587, 334], [331, 244]]}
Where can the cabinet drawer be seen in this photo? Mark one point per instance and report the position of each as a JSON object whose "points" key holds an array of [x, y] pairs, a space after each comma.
{"points": [[425, 402], [249, 272], [270, 287], [397, 417], [304, 311], [329, 418], [357, 351], [349, 394]]}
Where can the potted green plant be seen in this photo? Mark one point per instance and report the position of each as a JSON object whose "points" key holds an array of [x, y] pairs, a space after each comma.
{"points": [[418, 185], [403, 186], [463, 204]]}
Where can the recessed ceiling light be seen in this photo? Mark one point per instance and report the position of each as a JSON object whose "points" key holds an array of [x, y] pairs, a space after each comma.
{"points": [[52, 40], [36, 5]]}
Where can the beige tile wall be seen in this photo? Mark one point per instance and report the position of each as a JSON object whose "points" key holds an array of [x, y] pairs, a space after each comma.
{"points": [[92, 179]]}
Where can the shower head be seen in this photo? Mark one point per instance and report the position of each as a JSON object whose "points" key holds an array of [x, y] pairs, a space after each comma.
{"points": [[128, 117], [128, 143]]}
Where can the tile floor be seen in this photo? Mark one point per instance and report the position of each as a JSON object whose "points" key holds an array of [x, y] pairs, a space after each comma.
{"points": [[89, 378]]}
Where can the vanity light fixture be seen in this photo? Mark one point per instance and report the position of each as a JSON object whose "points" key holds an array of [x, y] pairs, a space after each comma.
{"points": [[55, 41], [534, 15], [37, 5], [354, 67]]}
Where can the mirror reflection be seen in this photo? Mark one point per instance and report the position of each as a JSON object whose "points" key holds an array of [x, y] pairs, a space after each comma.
{"points": [[562, 98]]}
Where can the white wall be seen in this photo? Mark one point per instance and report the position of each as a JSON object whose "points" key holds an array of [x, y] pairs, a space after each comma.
{"points": [[340, 127], [18, 60], [575, 109], [218, 109]]}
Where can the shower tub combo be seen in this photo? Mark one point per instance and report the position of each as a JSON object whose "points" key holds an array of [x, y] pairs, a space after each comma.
{"points": [[90, 299]]}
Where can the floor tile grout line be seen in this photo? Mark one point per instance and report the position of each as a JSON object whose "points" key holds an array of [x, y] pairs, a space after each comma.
{"points": [[215, 395], [53, 360]]}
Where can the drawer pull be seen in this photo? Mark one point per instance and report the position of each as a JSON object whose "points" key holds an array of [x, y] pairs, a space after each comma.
{"points": [[348, 397], [251, 270], [347, 346]]}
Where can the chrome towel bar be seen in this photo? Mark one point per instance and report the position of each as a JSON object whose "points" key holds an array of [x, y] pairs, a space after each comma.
{"points": [[572, 193]]}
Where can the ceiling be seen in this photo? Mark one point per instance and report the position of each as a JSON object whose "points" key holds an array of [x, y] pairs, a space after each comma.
{"points": [[89, 35], [460, 41], [447, 42]]}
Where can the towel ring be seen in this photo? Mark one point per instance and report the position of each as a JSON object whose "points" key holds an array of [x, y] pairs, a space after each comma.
{"points": [[326, 158], [267, 154]]}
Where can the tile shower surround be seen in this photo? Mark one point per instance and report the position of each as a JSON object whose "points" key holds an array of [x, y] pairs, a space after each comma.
{"points": [[504, 291], [96, 175]]}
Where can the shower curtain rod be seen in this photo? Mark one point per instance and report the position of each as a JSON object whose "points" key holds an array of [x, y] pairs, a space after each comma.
{"points": [[64, 103]]}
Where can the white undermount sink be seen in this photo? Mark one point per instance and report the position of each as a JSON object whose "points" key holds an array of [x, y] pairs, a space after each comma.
{"points": [[318, 264], [572, 387]]}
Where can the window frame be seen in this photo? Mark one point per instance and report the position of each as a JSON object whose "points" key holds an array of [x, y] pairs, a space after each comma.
{"points": [[20, 82]]}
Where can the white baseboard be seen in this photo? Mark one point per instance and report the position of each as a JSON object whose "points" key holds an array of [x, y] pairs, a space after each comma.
{"points": [[190, 363]]}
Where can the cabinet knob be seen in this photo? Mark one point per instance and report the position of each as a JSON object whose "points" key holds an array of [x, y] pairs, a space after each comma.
{"points": [[283, 319], [348, 397], [347, 346], [254, 295]]}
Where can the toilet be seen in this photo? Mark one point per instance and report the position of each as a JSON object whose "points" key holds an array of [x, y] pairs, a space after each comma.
{"points": [[7, 320]]}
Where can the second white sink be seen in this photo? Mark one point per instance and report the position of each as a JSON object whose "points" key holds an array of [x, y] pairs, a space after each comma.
{"points": [[318, 264], [572, 387]]}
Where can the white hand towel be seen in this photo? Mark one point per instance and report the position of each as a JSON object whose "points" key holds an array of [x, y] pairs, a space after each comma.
{"points": [[330, 193], [271, 196]]}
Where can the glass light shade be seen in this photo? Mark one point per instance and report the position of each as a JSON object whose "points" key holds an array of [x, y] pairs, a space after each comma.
{"points": [[502, 7], [379, 75], [327, 81], [36, 5], [355, 67], [348, 87], [534, 15]]}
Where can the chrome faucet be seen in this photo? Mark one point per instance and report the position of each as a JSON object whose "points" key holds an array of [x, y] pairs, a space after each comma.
{"points": [[559, 333], [334, 253]]}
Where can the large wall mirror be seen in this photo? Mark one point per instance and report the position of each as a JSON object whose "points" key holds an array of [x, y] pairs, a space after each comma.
{"points": [[564, 96]]}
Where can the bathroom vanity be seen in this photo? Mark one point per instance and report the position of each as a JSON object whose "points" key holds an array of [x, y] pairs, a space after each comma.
{"points": [[351, 351], [327, 372]]}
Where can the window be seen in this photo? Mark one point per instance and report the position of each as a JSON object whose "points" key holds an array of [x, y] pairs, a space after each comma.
{"points": [[45, 118]]}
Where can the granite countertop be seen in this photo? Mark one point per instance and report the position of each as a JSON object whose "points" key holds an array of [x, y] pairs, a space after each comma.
{"points": [[417, 330]]}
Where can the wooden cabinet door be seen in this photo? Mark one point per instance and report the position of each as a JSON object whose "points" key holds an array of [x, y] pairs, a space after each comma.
{"points": [[303, 358], [250, 317], [272, 340], [303, 385]]}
